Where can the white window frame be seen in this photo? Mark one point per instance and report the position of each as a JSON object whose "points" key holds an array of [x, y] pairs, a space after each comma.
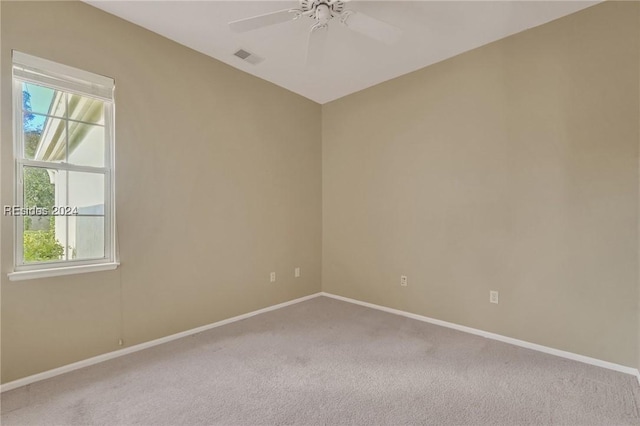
{"points": [[31, 69]]}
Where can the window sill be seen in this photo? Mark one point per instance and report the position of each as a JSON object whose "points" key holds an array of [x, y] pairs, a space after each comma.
{"points": [[56, 272]]}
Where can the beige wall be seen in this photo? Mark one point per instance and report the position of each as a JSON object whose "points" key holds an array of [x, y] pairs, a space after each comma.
{"points": [[513, 167], [218, 184]]}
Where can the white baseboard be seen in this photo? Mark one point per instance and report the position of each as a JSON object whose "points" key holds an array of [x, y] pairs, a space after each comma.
{"points": [[135, 348], [121, 352], [488, 335]]}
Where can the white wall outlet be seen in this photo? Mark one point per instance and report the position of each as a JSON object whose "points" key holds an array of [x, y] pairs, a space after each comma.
{"points": [[296, 272], [272, 277], [403, 280], [493, 296]]}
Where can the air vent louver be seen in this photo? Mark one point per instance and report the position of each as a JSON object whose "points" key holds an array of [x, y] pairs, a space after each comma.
{"points": [[242, 54], [248, 57]]}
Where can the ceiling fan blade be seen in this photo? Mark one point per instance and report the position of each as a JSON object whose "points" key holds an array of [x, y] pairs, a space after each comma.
{"points": [[260, 21], [371, 27], [315, 46]]}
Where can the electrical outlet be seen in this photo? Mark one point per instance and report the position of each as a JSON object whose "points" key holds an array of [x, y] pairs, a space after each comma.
{"points": [[296, 272], [403, 280], [272, 277], [493, 296]]}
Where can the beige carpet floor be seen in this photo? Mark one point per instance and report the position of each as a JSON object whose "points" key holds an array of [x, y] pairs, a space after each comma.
{"points": [[326, 362]]}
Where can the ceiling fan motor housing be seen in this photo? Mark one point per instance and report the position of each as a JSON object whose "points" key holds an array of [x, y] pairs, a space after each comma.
{"points": [[322, 9]]}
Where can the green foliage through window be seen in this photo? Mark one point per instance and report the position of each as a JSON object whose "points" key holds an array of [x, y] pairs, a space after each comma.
{"points": [[38, 189], [41, 246]]}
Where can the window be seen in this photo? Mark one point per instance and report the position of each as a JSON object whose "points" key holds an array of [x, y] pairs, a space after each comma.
{"points": [[63, 144]]}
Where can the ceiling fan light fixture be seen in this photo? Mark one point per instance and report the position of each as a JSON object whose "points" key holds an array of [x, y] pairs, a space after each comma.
{"points": [[323, 13]]}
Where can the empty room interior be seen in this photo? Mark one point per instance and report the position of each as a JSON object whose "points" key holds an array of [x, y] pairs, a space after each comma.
{"points": [[320, 212]]}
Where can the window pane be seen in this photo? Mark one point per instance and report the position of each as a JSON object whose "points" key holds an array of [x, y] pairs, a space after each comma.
{"points": [[44, 235], [86, 221], [45, 139], [86, 144], [42, 100], [86, 237], [86, 193], [86, 109]]}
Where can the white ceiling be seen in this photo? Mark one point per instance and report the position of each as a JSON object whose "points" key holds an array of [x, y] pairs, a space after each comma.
{"points": [[432, 31]]}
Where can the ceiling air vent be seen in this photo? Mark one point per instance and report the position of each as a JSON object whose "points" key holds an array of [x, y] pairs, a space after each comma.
{"points": [[248, 57]]}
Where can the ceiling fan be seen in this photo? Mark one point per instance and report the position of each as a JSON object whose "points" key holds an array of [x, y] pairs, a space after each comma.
{"points": [[322, 11]]}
